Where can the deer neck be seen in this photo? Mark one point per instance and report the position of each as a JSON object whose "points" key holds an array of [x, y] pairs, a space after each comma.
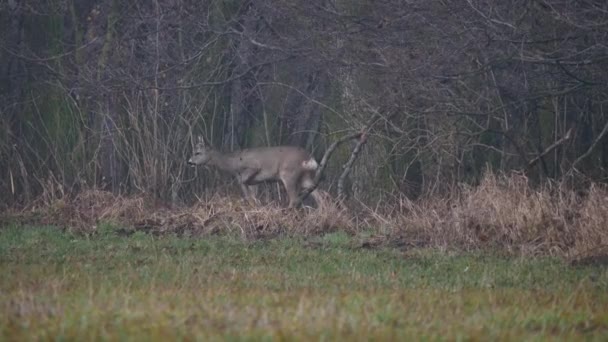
{"points": [[222, 161]]}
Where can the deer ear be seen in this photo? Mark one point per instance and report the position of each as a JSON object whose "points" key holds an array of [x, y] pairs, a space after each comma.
{"points": [[201, 140]]}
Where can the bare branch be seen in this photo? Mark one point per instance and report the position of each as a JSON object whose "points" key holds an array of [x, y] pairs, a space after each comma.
{"points": [[550, 148], [593, 145], [362, 136], [349, 164]]}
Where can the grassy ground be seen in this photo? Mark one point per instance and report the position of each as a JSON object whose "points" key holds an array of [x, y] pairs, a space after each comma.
{"points": [[55, 285]]}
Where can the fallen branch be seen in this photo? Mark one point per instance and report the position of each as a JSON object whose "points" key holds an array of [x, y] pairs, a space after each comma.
{"points": [[590, 149], [550, 148]]}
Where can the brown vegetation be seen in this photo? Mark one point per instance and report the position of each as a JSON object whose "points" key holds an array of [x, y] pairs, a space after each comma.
{"points": [[87, 210], [503, 213]]}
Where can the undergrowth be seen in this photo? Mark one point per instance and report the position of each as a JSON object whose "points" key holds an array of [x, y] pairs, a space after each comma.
{"points": [[503, 213]]}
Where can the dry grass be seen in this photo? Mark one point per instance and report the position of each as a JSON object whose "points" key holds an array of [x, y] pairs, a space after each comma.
{"points": [[84, 212], [502, 213], [506, 213], [226, 214]]}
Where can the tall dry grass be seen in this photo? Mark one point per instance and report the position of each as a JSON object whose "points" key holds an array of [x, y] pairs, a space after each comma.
{"points": [[503, 213], [86, 211]]}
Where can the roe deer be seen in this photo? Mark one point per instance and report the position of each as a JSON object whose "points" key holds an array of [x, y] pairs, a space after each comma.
{"points": [[292, 166]]}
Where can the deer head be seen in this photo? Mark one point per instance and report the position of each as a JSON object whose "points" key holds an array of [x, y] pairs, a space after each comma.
{"points": [[202, 153]]}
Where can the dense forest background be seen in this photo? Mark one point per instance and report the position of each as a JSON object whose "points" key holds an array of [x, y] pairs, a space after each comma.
{"points": [[111, 94]]}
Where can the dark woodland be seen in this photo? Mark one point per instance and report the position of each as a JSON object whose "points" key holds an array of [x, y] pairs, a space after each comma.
{"points": [[112, 94]]}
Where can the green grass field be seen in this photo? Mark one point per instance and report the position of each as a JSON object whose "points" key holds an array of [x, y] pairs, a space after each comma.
{"points": [[60, 286]]}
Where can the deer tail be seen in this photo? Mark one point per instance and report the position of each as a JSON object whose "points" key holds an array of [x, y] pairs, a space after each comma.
{"points": [[310, 164]]}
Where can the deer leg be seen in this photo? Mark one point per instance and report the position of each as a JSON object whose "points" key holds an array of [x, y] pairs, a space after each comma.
{"points": [[253, 193], [245, 190], [291, 186], [248, 190], [307, 182], [249, 193]]}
